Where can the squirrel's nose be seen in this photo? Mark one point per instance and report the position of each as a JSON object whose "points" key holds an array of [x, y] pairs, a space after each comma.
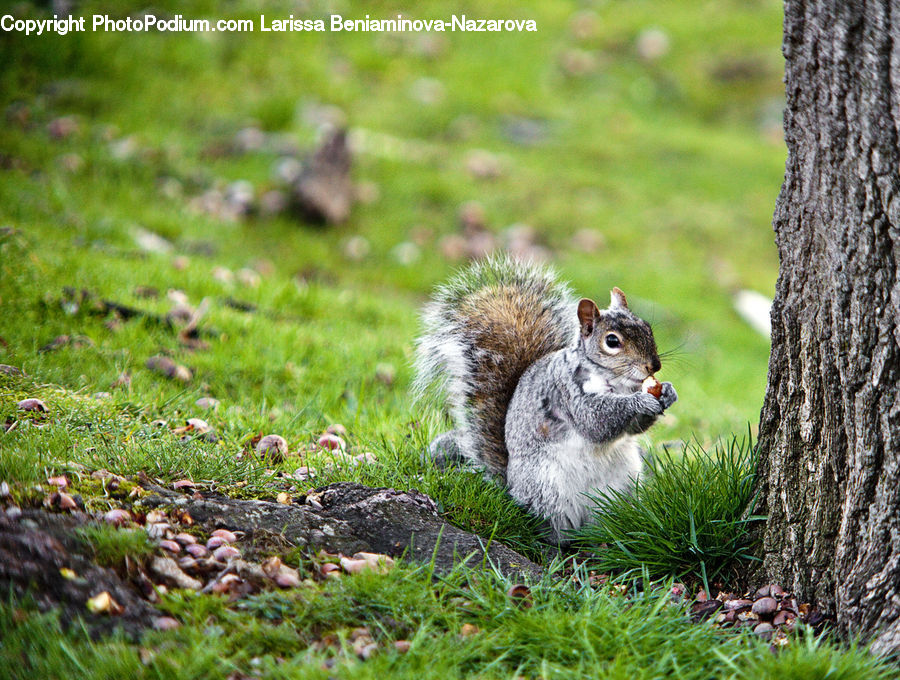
{"points": [[654, 366]]}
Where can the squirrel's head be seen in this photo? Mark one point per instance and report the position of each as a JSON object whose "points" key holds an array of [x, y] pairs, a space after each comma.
{"points": [[617, 340]]}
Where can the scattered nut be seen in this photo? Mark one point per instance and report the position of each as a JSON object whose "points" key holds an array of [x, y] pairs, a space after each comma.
{"points": [[331, 441], [165, 366], [227, 536], [765, 607], [170, 546], [165, 623], [32, 405], [469, 629], [225, 553], [103, 603], [521, 595], [652, 386], [117, 517], [272, 445], [208, 403], [66, 502], [196, 550]]}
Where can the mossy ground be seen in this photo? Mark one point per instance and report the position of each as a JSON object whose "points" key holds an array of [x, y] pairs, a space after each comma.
{"points": [[675, 160]]}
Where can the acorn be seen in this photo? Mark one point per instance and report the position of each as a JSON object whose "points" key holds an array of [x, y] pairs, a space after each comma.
{"points": [[652, 386]]}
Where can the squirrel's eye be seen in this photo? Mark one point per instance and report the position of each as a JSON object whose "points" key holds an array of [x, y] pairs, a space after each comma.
{"points": [[612, 341]]}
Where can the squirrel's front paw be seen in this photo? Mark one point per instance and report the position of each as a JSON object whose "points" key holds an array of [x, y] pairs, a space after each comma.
{"points": [[647, 404], [669, 396]]}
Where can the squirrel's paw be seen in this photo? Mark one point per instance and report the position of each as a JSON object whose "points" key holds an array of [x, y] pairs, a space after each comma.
{"points": [[647, 404], [669, 396]]}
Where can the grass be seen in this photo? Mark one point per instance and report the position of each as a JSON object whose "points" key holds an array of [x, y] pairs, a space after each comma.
{"points": [[673, 161], [110, 546], [571, 631], [687, 518]]}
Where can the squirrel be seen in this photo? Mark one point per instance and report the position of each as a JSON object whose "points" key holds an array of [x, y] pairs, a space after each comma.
{"points": [[544, 390]]}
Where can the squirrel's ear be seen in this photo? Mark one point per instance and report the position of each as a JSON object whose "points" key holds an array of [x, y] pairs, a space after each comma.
{"points": [[617, 299], [587, 315]]}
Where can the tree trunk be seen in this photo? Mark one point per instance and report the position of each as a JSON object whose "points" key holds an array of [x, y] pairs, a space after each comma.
{"points": [[830, 426]]}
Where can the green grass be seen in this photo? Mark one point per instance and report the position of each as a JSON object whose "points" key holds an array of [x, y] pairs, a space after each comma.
{"points": [[110, 546], [688, 517], [673, 161], [571, 631]]}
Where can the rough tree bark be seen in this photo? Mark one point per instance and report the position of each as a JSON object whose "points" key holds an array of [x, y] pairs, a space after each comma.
{"points": [[830, 425]]}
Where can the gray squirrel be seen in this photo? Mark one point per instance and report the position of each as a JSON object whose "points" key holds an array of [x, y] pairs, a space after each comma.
{"points": [[545, 390]]}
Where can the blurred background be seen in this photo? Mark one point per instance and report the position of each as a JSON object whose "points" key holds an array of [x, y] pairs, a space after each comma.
{"points": [[634, 143]]}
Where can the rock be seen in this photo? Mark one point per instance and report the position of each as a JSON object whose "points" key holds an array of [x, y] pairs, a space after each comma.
{"points": [[323, 192], [356, 519], [42, 556]]}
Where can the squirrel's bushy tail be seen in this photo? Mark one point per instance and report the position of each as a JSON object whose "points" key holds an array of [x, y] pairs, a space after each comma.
{"points": [[482, 329]]}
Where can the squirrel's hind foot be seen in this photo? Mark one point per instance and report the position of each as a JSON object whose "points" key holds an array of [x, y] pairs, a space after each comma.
{"points": [[444, 451]]}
